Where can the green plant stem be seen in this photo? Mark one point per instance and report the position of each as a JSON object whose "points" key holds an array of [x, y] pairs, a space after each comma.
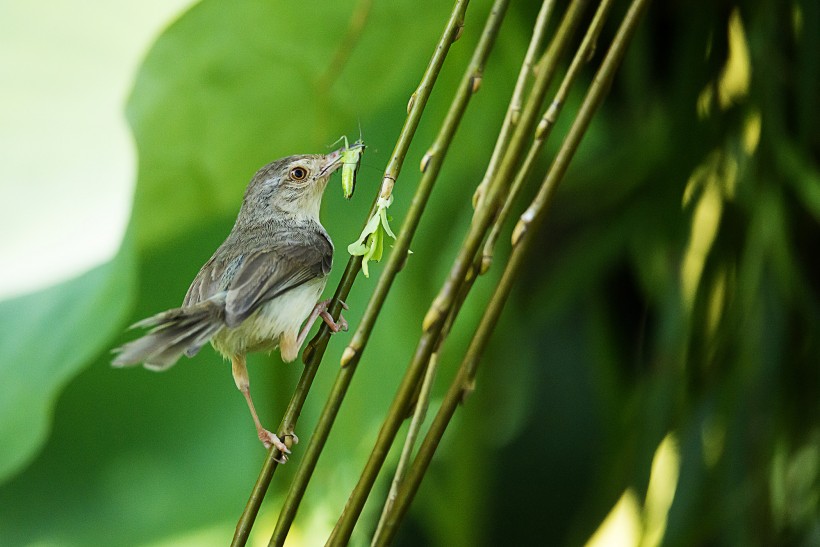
{"points": [[419, 97], [314, 352], [419, 413], [422, 402], [297, 401], [347, 44], [521, 246], [420, 409], [542, 132], [483, 261], [315, 349], [430, 167], [514, 108], [439, 310], [487, 209]]}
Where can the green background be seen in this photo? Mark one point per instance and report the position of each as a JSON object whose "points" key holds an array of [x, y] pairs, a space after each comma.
{"points": [[603, 349]]}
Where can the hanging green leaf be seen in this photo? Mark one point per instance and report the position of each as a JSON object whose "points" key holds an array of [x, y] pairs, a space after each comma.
{"points": [[370, 244]]}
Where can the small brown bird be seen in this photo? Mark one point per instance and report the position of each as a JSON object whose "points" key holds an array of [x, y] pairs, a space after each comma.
{"points": [[260, 285]]}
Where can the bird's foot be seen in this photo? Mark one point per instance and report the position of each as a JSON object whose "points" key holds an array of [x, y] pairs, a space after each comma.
{"points": [[334, 326], [270, 440], [293, 436]]}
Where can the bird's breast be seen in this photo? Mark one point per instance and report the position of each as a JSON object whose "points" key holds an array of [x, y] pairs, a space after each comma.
{"points": [[262, 329]]}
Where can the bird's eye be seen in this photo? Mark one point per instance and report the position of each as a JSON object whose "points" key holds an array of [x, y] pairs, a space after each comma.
{"points": [[298, 173]]}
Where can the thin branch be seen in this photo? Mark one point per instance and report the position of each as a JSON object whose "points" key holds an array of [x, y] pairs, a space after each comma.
{"points": [[514, 108], [297, 401], [418, 99], [346, 45], [430, 167], [542, 132], [522, 242], [478, 266], [315, 350], [420, 410], [439, 310], [482, 263], [487, 209], [419, 413]]}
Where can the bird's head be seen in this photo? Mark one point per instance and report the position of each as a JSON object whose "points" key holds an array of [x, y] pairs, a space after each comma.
{"points": [[292, 186]]}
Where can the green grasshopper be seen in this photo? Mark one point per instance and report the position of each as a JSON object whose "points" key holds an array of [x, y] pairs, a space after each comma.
{"points": [[351, 157]]}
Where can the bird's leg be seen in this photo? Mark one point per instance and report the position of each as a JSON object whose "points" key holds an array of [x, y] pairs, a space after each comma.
{"points": [[240, 376], [320, 310]]}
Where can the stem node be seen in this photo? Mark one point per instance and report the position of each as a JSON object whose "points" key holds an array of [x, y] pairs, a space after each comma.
{"points": [[459, 31], [348, 354], [541, 130], [467, 390], [486, 263], [411, 102], [476, 83], [434, 316], [479, 193], [518, 231], [425, 161]]}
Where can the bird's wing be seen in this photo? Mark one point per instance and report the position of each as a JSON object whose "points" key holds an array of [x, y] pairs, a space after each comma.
{"points": [[207, 283], [265, 274]]}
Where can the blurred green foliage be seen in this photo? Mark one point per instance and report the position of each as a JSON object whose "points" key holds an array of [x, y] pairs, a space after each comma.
{"points": [[674, 294]]}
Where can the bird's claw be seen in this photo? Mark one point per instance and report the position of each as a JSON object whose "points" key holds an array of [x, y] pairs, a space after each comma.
{"points": [[338, 325], [270, 440]]}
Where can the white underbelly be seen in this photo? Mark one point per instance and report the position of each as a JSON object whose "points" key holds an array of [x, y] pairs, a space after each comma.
{"points": [[262, 330]]}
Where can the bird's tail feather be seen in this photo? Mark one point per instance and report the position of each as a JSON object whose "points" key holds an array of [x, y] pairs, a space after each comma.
{"points": [[173, 332]]}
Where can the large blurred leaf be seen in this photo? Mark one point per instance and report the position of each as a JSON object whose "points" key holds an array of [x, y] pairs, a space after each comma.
{"points": [[233, 85], [45, 339], [596, 359], [227, 88]]}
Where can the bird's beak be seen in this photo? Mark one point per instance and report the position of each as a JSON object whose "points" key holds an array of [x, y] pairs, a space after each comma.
{"points": [[332, 162]]}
